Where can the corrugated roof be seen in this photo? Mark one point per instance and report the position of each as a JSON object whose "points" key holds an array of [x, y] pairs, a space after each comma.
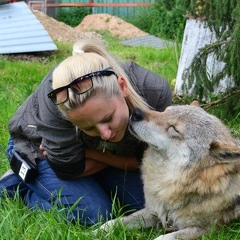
{"points": [[21, 31], [148, 40]]}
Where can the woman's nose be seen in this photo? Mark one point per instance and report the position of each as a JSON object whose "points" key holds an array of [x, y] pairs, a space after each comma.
{"points": [[104, 131]]}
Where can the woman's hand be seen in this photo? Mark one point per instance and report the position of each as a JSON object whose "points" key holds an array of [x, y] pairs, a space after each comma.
{"points": [[96, 160], [43, 150]]}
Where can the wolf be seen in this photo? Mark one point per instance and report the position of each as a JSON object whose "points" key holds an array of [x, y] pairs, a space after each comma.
{"points": [[190, 172]]}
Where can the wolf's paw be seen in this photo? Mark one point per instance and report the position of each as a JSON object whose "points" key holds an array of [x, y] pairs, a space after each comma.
{"points": [[107, 227], [166, 237]]}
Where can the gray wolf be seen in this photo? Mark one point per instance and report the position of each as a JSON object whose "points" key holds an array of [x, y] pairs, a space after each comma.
{"points": [[190, 171]]}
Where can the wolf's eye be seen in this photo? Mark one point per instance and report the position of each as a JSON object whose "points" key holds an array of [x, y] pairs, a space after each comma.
{"points": [[173, 132], [174, 127]]}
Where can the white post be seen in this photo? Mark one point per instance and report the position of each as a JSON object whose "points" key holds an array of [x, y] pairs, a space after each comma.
{"points": [[196, 36]]}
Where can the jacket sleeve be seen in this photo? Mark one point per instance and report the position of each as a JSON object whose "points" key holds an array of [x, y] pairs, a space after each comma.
{"points": [[37, 121], [153, 88]]}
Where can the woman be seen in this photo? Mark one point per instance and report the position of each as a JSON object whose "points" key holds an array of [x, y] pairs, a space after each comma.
{"points": [[74, 128]]}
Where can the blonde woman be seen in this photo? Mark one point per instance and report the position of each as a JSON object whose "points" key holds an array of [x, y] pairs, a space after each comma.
{"points": [[75, 129]]}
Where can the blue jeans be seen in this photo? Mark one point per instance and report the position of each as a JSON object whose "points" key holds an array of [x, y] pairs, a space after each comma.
{"points": [[87, 199]]}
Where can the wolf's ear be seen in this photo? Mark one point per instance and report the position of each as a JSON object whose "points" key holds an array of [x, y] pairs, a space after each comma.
{"points": [[225, 153], [195, 103]]}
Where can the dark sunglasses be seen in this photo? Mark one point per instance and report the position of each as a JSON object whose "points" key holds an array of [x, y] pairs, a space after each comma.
{"points": [[79, 85]]}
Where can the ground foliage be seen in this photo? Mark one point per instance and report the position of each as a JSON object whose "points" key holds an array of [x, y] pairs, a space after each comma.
{"points": [[164, 19], [72, 16]]}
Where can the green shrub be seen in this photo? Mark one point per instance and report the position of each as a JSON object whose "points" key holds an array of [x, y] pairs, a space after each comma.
{"points": [[165, 19], [72, 16]]}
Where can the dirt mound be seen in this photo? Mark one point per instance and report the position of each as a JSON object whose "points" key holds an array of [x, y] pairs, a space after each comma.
{"points": [[62, 32], [115, 25]]}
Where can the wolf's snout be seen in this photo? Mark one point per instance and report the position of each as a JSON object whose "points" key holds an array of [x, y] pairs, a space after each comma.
{"points": [[137, 115]]}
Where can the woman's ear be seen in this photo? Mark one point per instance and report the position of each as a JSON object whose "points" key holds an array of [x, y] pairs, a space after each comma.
{"points": [[123, 86]]}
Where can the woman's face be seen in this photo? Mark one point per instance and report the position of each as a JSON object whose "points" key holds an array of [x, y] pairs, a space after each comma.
{"points": [[104, 117]]}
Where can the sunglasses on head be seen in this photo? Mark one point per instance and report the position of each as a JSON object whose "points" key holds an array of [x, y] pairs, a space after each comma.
{"points": [[80, 85]]}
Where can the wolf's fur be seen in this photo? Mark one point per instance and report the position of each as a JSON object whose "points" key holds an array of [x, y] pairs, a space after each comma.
{"points": [[191, 172]]}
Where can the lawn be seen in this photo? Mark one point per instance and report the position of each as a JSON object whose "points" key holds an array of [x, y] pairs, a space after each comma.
{"points": [[19, 78]]}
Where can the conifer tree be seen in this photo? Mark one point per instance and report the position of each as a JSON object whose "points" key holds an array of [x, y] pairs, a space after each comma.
{"points": [[223, 18]]}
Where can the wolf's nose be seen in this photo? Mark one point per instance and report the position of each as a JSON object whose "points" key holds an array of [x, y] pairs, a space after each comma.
{"points": [[137, 115]]}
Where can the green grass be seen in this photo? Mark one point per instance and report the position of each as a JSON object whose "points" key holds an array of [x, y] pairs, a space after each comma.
{"points": [[161, 61], [18, 79]]}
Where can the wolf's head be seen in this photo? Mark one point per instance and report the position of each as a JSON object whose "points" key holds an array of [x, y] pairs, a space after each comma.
{"points": [[186, 130]]}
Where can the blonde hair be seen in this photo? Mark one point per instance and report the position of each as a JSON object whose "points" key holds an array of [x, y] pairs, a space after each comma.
{"points": [[91, 55]]}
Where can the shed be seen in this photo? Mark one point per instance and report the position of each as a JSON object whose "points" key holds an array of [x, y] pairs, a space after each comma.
{"points": [[21, 31]]}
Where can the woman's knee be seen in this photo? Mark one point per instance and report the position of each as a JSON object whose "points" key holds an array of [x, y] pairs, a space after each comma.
{"points": [[82, 200], [88, 214], [86, 201]]}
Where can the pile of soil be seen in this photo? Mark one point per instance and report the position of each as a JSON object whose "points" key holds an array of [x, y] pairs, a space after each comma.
{"points": [[115, 25], [60, 31]]}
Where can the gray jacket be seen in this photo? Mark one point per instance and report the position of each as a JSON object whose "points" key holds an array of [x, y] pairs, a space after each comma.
{"points": [[38, 121]]}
